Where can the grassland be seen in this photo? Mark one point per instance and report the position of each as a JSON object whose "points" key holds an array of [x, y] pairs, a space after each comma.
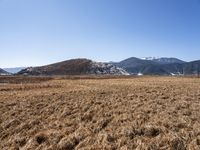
{"points": [[147, 113]]}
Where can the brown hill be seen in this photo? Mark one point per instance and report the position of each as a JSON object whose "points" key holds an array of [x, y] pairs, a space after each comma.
{"points": [[74, 67]]}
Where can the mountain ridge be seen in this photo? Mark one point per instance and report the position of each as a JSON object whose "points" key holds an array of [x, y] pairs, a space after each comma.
{"points": [[129, 66], [79, 66], [159, 66]]}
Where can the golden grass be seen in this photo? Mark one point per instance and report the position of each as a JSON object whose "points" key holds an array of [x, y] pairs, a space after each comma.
{"points": [[148, 113]]}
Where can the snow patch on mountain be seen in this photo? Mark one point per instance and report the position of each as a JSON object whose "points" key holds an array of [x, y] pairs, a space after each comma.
{"points": [[164, 60], [150, 58], [105, 68]]}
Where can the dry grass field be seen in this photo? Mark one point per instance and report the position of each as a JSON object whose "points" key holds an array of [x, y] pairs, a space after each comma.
{"points": [[147, 113]]}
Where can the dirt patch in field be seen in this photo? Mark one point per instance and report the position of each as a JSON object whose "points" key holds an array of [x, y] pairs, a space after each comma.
{"points": [[148, 113]]}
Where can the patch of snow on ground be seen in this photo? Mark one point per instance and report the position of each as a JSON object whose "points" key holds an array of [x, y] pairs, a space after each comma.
{"points": [[140, 74]]}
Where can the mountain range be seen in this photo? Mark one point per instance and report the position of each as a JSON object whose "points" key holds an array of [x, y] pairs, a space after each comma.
{"points": [[130, 66], [159, 66]]}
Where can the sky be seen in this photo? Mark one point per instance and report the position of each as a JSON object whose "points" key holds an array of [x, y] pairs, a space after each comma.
{"points": [[40, 32]]}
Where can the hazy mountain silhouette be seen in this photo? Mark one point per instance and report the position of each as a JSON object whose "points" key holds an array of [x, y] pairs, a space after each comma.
{"points": [[14, 70], [3, 72]]}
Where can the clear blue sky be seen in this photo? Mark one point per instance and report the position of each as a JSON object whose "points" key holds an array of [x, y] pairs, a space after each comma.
{"points": [[38, 32]]}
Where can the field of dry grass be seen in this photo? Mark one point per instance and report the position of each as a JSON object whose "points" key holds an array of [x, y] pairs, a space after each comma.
{"points": [[147, 113]]}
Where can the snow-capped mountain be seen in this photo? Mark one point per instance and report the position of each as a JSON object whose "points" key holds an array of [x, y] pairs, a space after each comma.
{"points": [[164, 60], [150, 58], [159, 66]]}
